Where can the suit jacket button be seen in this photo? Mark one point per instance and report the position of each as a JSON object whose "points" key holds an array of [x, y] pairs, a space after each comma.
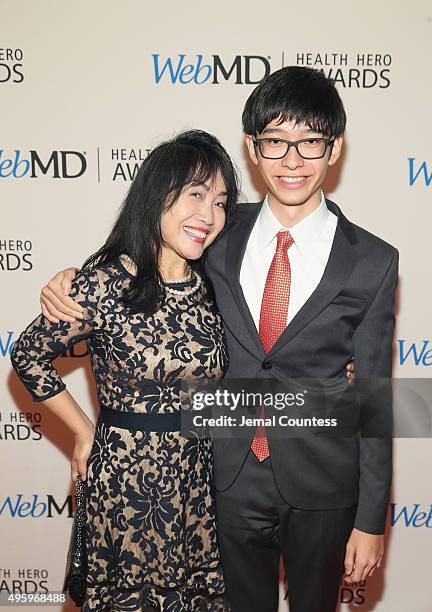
{"points": [[266, 365]]}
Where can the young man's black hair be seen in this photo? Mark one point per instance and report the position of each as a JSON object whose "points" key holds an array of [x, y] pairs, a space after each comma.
{"points": [[299, 94]]}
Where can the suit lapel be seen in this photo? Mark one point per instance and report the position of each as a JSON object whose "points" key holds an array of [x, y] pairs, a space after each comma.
{"points": [[237, 239], [341, 262]]}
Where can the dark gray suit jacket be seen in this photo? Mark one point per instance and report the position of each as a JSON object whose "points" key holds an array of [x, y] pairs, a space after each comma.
{"points": [[350, 314]]}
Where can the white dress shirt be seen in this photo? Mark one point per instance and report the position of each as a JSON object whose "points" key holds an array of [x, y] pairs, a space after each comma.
{"points": [[313, 239]]}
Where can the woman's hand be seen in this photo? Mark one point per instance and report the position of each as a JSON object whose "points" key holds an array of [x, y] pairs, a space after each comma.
{"points": [[55, 302], [81, 453]]}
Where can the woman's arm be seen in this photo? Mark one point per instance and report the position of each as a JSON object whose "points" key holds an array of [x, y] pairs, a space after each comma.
{"points": [[33, 355], [56, 305], [67, 410]]}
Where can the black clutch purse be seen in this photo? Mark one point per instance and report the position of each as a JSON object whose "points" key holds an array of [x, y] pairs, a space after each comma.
{"points": [[75, 582]]}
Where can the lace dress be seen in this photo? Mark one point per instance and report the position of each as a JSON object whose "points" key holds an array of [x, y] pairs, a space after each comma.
{"points": [[151, 537]]}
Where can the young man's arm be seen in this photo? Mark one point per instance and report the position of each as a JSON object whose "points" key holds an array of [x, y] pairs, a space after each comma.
{"points": [[373, 342]]}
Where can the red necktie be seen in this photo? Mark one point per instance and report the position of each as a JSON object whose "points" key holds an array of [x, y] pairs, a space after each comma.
{"points": [[273, 318]]}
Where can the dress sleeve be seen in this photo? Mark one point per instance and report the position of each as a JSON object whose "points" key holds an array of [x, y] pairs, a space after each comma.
{"points": [[43, 341]]}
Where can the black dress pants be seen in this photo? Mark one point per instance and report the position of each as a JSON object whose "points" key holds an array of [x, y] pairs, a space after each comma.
{"points": [[256, 526]]}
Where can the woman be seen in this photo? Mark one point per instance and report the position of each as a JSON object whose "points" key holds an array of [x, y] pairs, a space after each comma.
{"points": [[151, 323]]}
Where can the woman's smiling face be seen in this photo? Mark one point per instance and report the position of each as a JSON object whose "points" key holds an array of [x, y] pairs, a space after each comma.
{"points": [[195, 219]]}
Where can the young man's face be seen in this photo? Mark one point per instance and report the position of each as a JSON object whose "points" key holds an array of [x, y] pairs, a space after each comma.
{"points": [[292, 180]]}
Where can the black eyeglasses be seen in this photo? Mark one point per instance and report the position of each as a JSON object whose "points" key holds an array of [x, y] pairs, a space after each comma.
{"points": [[307, 148]]}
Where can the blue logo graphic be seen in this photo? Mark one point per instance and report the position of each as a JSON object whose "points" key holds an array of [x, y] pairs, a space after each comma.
{"points": [[183, 73], [60, 164], [421, 171], [32, 507], [13, 166], [418, 354], [199, 71], [6, 344], [415, 516]]}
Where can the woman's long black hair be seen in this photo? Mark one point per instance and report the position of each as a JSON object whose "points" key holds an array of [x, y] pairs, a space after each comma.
{"points": [[192, 157]]}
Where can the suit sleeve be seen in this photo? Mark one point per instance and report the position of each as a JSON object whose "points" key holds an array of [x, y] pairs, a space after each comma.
{"points": [[373, 342], [41, 342]]}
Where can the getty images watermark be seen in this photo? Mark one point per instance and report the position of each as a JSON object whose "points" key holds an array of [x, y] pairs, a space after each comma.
{"points": [[237, 401], [373, 407]]}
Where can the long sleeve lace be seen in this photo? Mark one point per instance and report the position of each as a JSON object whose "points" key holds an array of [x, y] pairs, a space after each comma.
{"points": [[41, 342]]}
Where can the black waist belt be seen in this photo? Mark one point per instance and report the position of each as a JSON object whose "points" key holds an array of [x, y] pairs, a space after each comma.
{"points": [[138, 421]]}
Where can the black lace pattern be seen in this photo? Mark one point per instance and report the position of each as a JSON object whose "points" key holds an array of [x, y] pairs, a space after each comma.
{"points": [[151, 536]]}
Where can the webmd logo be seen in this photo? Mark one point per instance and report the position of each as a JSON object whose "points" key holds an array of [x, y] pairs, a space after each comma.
{"points": [[415, 353], [419, 172], [35, 506], [186, 70], [416, 515], [6, 344], [56, 164]]}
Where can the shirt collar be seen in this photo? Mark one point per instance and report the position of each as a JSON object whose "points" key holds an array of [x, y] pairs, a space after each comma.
{"points": [[305, 233]]}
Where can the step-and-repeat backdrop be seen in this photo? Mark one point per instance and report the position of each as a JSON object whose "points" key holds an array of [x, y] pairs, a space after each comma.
{"points": [[87, 89]]}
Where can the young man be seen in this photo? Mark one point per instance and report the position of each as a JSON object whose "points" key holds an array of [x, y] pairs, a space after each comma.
{"points": [[302, 291]]}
